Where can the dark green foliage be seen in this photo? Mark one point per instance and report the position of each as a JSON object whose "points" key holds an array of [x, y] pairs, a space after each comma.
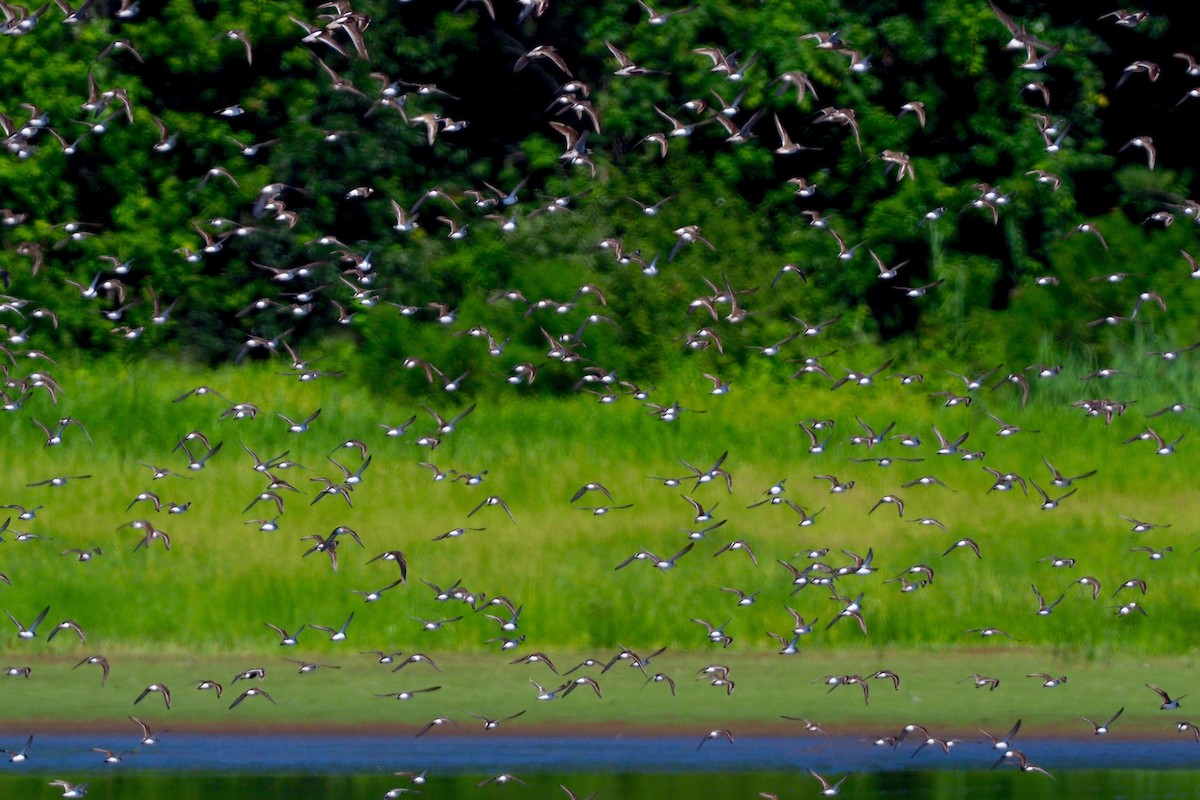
{"points": [[948, 54]]}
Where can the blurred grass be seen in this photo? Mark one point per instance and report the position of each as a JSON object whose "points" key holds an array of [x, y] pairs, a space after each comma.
{"points": [[223, 579], [487, 684]]}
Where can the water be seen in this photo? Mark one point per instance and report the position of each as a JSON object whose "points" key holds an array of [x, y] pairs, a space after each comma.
{"points": [[336, 766]]}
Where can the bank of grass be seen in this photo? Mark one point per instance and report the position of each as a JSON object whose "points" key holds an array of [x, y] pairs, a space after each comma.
{"points": [[223, 579], [931, 692]]}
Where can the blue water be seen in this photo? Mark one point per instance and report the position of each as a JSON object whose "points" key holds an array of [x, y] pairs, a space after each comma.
{"points": [[349, 755]]}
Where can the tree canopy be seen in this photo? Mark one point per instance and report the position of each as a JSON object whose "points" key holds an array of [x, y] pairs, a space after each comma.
{"points": [[256, 164]]}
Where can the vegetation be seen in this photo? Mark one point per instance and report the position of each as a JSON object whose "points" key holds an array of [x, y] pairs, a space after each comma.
{"points": [[147, 206], [935, 690], [223, 578], [937, 784], [227, 277]]}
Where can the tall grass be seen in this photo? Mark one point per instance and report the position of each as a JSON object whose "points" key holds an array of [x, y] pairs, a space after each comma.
{"points": [[223, 579]]}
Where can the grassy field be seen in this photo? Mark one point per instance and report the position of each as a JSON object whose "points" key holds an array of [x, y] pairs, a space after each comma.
{"points": [[931, 692], [223, 578]]}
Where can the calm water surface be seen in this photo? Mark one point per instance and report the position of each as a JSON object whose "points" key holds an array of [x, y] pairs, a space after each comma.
{"points": [[192, 766]]}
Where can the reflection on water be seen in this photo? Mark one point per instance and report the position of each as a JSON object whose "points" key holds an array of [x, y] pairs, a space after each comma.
{"points": [[928, 785], [183, 767], [357, 755]]}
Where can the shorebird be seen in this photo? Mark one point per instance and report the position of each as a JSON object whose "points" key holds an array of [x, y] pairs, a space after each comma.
{"points": [[1044, 610], [19, 756], [416, 658], [1020, 37], [1048, 680], [159, 688], [1048, 502], [1062, 481], [738, 544], [1002, 742], [286, 639], [1100, 730], [299, 426], [251, 692], [989, 632], [1024, 763], [626, 65], [965, 542], [70, 624], [492, 724], [436, 722], [494, 500], [70, 789], [99, 661], [1168, 704], [946, 446], [829, 789], [984, 680], [835, 486], [408, 694], [337, 635], [30, 632], [889, 499]]}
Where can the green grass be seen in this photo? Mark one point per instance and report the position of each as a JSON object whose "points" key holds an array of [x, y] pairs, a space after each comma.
{"points": [[223, 579], [766, 686]]}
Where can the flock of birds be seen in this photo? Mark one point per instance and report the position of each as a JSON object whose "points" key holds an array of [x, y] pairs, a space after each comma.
{"points": [[342, 32]]}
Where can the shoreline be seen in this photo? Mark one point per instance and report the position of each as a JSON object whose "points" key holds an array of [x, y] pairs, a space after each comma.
{"points": [[562, 729]]}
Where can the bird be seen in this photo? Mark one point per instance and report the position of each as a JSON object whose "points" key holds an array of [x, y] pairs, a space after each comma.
{"points": [[715, 734], [1168, 704], [627, 67], [253, 691], [1101, 729], [409, 693], [1023, 763], [335, 635], [889, 499], [981, 681], [501, 779], [917, 108], [738, 544], [492, 724], [493, 500], [1049, 503], [1144, 143], [964, 542], [787, 147], [19, 756], [68, 625], [829, 789], [300, 426], [156, 688], [1048, 680], [1043, 609], [660, 18], [239, 36], [436, 722], [99, 661], [536, 658], [70, 789], [1002, 742], [989, 632], [30, 632], [287, 639]]}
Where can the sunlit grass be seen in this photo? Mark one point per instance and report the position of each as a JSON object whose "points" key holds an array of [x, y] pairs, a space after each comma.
{"points": [[223, 578]]}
